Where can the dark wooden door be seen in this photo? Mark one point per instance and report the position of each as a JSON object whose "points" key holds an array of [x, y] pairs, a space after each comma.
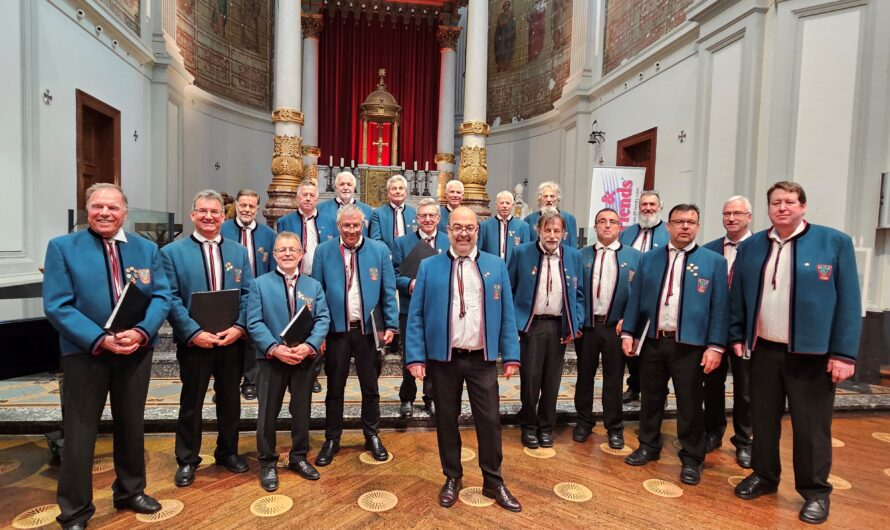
{"points": [[98, 144], [639, 151]]}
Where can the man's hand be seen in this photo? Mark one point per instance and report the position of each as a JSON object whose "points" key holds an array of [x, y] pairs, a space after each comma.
{"points": [[629, 346], [387, 336], [840, 370], [510, 370], [302, 351], [129, 337], [411, 287], [738, 349], [418, 371], [284, 354], [113, 345], [711, 360], [618, 327], [230, 335], [205, 339]]}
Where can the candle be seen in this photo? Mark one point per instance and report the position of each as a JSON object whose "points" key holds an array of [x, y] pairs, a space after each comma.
{"points": [[331, 161], [403, 166], [426, 165], [415, 165], [352, 163]]}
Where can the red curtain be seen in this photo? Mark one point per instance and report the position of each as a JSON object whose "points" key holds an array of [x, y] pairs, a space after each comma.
{"points": [[350, 53]]}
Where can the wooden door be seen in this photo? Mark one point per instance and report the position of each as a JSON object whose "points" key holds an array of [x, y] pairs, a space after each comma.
{"points": [[98, 144], [639, 151]]}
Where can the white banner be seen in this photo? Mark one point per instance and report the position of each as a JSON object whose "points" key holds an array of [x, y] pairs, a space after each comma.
{"points": [[618, 188]]}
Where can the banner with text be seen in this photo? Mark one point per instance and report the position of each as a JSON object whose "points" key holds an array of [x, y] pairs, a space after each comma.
{"points": [[618, 188]]}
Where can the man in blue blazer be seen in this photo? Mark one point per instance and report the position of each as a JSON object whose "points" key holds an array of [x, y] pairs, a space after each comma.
{"points": [[356, 275], [427, 234], [549, 197], [796, 306], [344, 184], [678, 307], [609, 268], [736, 218], [258, 240], [549, 299], [207, 262], [395, 219], [85, 274], [501, 234], [275, 298], [454, 195], [460, 318]]}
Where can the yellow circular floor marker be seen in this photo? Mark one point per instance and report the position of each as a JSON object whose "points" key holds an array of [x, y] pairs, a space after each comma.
{"points": [[283, 460], [617, 452], [473, 497], [662, 488], [170, 508], [837, 443], [887, 471], [541, 452], [838, 483], [8, 465], [368, 458], [467, 454], [271, 505], [882, 436], [572, 492], [206, 460], [377, 501], [735, 479], [37, 516], [103, 464]]}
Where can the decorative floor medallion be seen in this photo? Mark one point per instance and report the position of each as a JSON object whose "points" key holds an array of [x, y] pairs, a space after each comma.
{"points": [[837, 443], [103, 464], [206, 460], [271, 505], [378, 501], [283, 460], [368, 458], [467, 454], [542, 452], [37, 516], [735, 479], [838, 483], [473, 497], [618, 452], [882, 436], [170, 508], [8, 465], [662, 488], [572, 492]]}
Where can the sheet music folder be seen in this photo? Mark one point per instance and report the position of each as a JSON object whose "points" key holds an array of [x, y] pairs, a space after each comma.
{"points": [[298, 329], [215, 311], [411, 263], [129, 310]]}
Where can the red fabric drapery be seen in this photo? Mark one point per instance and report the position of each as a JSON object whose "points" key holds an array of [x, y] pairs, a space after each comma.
{"points": [[350, 53], [375, 135]]}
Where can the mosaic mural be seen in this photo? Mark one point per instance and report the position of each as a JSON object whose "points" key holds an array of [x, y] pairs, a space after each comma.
{"points": [[127, 11], [633, 25]]}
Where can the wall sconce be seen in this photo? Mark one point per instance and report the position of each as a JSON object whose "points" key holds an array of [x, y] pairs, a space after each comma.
{"points": [[596, 137]]}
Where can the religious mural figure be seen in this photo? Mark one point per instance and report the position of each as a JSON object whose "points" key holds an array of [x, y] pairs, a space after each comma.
{"points": [[505, 37], [250, 19], [536, 23], [561, 23], [187, 6], [219, 14]]}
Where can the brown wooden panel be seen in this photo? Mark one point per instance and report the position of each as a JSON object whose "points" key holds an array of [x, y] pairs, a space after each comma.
{"points": [[98, 144], [639, 151]]}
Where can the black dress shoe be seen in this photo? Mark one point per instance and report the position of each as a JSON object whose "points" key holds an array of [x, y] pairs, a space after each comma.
{"points": [[545, 439], [529, 439], [642, 456], [581, 433], [373, 444], [616, 440], [248, 392], [269, 478], [503, 497], [316, 387], [753, 486], [406, 410], [185, 475], [328, 450], [743, 456], [629, 395], [450, 490], [429, 407], [304, 469], [141, 503], [75, 526], [712, 442], [233, 463], [690, 474], [814, 511]]}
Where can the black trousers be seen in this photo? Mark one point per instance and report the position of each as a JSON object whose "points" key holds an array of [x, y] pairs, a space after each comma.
{"points": [[196, 365], [249, 368], [595, 342], [342, 346], [775, 375], [540, 374], [273, 378], [633, 374], [481, 377], [715, 400], [665, 359], [408, 388], [88, 381]]}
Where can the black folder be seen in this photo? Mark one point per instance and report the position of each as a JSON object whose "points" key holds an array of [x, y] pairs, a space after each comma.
{"points": [[299, 328], [378, 328], [129, 310], [411, 263], [215, 311]]}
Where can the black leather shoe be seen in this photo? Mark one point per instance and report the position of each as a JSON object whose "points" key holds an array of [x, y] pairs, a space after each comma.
{"points": [[503, 497], [743, 456], [712, 442], [316, 387], [690, 474], [406, 410], [373, 444], [530, 440], [233, 463], [185, 475], [629, 395], [814, 511], [545, 439], [616, 440], [303, 468], [448, 493], [76, 526], [581, 433], [429, 408], [642, 456], [269, 478], [141, 503], [328, 450], [753, 486], [248, 392]]}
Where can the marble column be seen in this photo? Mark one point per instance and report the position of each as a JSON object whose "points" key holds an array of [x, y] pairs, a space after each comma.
{"points": [[473, 170], [287, 156], [448, 36], [312, 26]]}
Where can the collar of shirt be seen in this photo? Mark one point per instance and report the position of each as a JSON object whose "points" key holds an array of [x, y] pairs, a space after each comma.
{"points": [[294, 276], [357, 246], [472, 255], [423, 235], [202, 239], [397, 207], [120, 236], [251, 226], [775, 236], [507, 220], [687, 248], [341, 203], [311, 216], [614, 245], [543, 250], [727, 241]]}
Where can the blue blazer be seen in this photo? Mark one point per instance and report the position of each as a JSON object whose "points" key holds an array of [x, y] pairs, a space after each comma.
{"points": [[268, 312], [660, 235], [330, 207], [703, 316], [525, 272], [263, 243], [77, 291], [490, 236], [628, 261], [382, 220], [826, 310], [444, 212], [324, 224], [377, 283], [571, 237], [428, 334], [404, 245], [186, 270]]}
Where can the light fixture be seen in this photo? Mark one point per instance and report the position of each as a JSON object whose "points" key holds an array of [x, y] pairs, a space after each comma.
{"points": [[596, 137]]}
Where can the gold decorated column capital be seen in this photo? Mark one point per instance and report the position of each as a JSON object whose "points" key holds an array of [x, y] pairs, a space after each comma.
{"points": [[287, 115], [444, 158], [448, 36], [312, 25], [475, 127]]}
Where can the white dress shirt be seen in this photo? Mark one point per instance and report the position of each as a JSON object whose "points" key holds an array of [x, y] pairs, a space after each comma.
{"points": [[398, 219], [643, 241], [548, 297], [502, 235], [466, 331], [247, 241], [212, 259], [310, 242], [731, 250], [353, 295], [775, 302], [604, 277], [669, 306]]}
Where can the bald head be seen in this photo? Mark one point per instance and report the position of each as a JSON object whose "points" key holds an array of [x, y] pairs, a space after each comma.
{"points": [[463, 230]]}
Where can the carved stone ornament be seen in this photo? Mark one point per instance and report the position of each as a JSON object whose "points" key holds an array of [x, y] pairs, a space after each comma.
{"points": [[288, 115], [444, 158], [287, 146], [287, 163], [473, 166], [475, 127], [312, 26], [448, 36], [311, 150]]}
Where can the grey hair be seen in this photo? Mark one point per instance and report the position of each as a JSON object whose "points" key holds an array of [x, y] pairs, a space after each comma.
{"points": [[246, 192], [504, 193], [428, 201], [549, 184], [105, 186], [548, 213], [208, 194], [289, 235], [742, 198], [349, 209], [306, 183], [651, 193], [345, 174], [396, 178], [454, 184]]}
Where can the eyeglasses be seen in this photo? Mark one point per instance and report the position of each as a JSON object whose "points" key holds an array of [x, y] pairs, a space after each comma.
{"points": [[457, 229], [204, 212], [728, 215], [604, 222], [683, 222]]}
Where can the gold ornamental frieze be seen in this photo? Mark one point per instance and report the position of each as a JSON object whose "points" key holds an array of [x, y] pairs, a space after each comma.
{"points": [[287, 146], [473, 166], [448, 36], [475, 127], [312, 25], [444, 158], [287, 115]]}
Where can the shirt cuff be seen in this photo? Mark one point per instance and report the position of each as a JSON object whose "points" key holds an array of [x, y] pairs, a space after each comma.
{"points": [[718, 349], [845, 360]]}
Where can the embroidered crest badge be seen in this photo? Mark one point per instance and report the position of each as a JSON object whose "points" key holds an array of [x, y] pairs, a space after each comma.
{"points": [[237, 274], [228, 265], [824, 272], [144, 276], [517, 241], [703, 285], [630, 275], [374, 273], [497, 291], [534, 270]]}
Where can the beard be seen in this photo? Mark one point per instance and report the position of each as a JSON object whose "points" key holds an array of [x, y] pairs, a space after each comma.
{"points": [[648, 220]]}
